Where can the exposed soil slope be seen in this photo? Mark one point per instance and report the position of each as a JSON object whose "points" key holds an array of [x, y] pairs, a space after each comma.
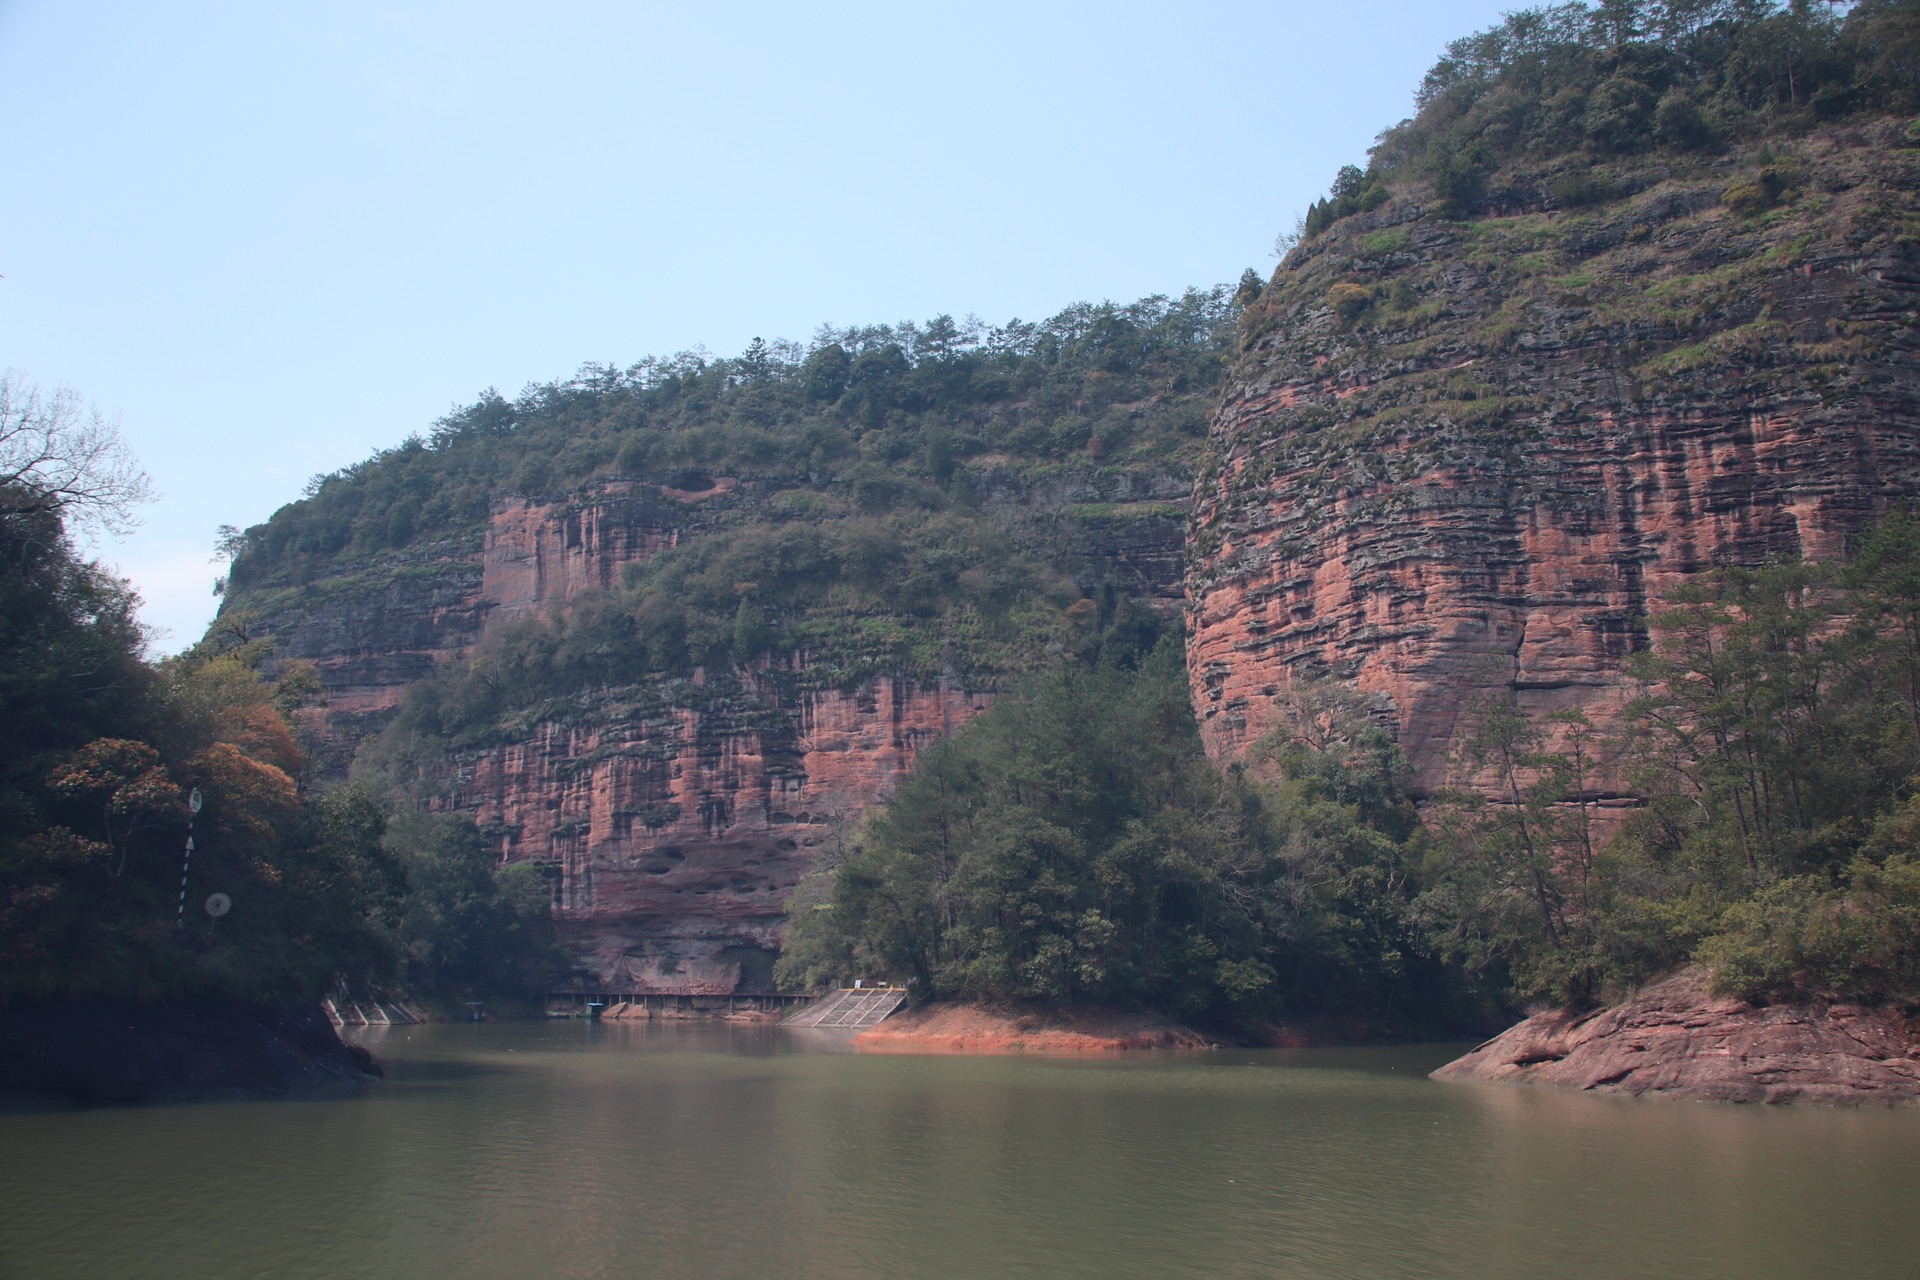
{"points": [[1678, 1040], [977, 1028]]}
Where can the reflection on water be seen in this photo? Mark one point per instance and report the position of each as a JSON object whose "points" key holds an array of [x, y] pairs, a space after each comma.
{"points": [[575, 1149]]}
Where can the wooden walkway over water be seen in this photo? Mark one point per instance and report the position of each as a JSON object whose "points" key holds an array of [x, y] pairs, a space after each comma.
{"points": [[849, 1007]]}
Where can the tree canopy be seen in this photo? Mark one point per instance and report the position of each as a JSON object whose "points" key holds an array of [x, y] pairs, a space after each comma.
{"points": [[101, 755], [1073, 844], [1623, 77]]}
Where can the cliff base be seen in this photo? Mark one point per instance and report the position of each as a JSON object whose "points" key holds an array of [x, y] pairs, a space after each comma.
{"points": [[1677, 1039], [1012, 1028], [109, 1051]]}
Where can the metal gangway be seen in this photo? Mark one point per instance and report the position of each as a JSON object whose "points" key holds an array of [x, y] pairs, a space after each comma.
{"points": [[342, 1012], [850, 1007]]}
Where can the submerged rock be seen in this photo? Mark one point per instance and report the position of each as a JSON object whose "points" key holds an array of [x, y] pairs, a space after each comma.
{"points": [[1677, 1039], [117, 1051]]}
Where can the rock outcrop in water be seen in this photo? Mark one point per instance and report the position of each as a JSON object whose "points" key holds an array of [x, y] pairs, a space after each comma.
{"points": [[1676, 1039], [1466, 455]]}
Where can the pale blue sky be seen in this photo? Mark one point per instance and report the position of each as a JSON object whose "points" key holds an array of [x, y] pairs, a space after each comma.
{"points": [[274, 237]]}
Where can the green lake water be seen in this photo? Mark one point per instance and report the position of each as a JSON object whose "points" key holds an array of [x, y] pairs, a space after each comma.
{"points": [[574, 1149]]}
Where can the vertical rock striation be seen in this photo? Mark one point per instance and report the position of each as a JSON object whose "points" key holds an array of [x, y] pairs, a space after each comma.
{"points": [[674, 822]]}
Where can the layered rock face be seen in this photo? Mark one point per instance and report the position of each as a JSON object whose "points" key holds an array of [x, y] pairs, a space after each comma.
{"points": [[1457, 457], [1677, 1039], [673, 817], [376, 629], [674, 828]]}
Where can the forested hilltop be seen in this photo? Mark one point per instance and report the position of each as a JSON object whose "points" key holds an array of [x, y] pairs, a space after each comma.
{"points": [[891, 474], [658, 630], [884, 416]]}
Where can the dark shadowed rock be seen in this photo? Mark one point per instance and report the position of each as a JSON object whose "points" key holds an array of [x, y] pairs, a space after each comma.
{"points": [[116, 1051]]}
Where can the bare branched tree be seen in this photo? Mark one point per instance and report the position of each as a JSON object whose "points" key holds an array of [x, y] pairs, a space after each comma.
{"points": [[57, 455]]}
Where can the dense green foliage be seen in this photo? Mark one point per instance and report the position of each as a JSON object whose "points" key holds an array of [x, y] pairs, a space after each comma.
{"points": [[883, 414], [102, 750], [1073, 843], [1626, 76], [469, 927], [70, 643], [881, 523], [1776, 747], [101, 754]]}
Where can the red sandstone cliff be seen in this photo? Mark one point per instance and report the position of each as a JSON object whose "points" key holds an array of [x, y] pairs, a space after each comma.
{"points": [[674, 834], [673, 817], [372, 632], [1455, 456]]}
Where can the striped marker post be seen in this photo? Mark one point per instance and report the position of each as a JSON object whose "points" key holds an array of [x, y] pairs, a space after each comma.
{"points": [[186, 860]]}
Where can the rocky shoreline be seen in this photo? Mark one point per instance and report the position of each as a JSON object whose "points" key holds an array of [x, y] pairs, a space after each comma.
{"points": [[118, 1051], [1676, 1039]]}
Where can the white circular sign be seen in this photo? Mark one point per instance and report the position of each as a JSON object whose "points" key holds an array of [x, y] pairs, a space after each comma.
{"points": [[193, 801], [218, 905]]}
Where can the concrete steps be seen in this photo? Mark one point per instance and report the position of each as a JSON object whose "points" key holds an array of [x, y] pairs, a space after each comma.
{"points": [[853, 1008]]}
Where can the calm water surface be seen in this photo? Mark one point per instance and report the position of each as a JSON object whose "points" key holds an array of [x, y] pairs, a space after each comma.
{"points": [[570, 1149]]}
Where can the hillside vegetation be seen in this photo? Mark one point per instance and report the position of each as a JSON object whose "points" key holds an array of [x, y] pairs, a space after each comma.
{"points": [[103, 753], [884, 416], [898, 510], [1627, 78], [1594, 206], [940, 501]]}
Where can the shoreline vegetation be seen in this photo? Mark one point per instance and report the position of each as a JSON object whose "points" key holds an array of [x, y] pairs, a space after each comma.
{"points": [[1071, 853], [106, 1051], [1067, 847]]}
